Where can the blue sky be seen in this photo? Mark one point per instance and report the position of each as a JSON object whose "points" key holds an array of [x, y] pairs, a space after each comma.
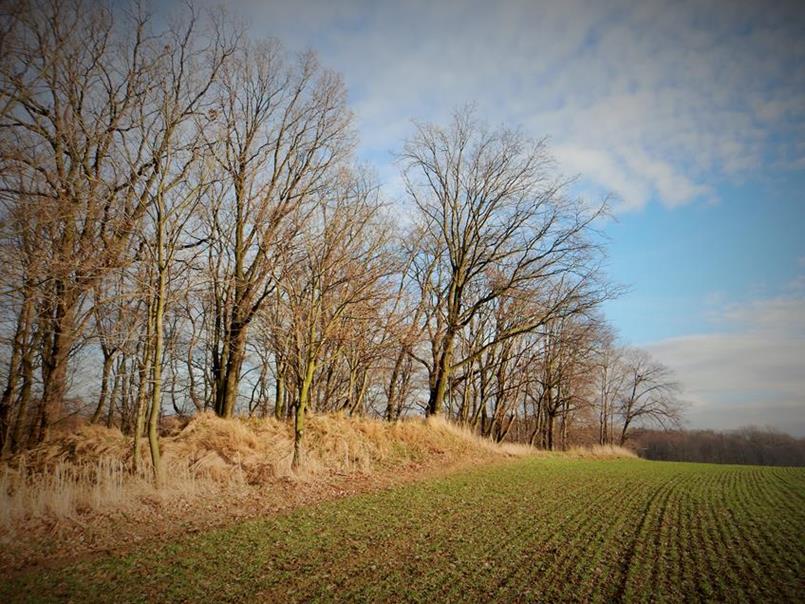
{"points": [[684, 265], [690, 114]]}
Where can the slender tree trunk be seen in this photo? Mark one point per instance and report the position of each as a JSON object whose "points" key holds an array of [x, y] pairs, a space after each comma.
{"points": [[116, 385], [142, 392], [126, 382], [391, 403], [191, 377], [108, 358], [279, 389], [360, 392], [503, 432], [14, 369], [301, 407], [159, 337], [602, 425]]}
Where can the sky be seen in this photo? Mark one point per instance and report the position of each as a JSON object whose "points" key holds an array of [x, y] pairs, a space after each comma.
{"points": [[690, 115]]}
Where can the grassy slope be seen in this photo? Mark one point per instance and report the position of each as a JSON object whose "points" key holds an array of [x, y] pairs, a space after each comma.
{"points": [[542, 529]]}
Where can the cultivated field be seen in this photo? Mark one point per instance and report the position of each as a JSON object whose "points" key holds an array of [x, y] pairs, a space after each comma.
{"points": [[526, 530]]}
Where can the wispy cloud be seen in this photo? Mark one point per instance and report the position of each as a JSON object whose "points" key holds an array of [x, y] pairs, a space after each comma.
{"points": [[750, 372], [651, 101]]}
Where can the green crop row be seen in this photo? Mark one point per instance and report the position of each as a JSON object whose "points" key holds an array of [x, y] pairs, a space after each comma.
{"points": [[532, 530]]}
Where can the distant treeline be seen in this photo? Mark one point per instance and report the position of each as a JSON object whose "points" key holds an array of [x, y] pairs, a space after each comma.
{"points": [[760, 446]]}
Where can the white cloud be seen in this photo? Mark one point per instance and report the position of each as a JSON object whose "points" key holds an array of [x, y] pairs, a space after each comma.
{"points": [[655, 100], [752, 372], [603, 168]]}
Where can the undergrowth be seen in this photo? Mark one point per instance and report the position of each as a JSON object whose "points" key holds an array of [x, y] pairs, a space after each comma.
{"points": [[88, 470]]}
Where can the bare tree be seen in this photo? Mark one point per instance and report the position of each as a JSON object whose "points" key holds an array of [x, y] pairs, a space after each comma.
{"points": [[282, 132], [497, 225], [607, 365], [650, 393], [86, 138], [337, 272]]}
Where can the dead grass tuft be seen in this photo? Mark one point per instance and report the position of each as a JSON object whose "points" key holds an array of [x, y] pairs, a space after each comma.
{"points": [[88, 470], [602, 452]]}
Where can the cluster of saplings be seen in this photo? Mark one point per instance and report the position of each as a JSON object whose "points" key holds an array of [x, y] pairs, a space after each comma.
{"points": [[185, 228]]}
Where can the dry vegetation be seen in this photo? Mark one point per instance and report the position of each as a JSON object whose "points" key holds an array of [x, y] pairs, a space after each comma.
{"points": [[76, 491], [531, 529], [185, 227], [79, 486], [88, 469]]}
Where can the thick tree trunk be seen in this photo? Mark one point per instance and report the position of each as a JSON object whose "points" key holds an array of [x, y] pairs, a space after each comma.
{"points": [[18, 433], [229, 380], [57, 343], [622, 440], [441, 380], [549, 426]]}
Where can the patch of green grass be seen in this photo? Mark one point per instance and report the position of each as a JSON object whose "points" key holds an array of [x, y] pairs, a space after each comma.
{"points": [[534, 529]]}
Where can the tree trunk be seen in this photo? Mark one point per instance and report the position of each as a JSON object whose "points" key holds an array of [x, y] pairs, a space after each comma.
{"points": [[116, 384], [299, 420], [438, 388], [23, 400], [108, 358], [20, 345], [623, 433], [57, 342], [279, 390], [142, 393], [391, 404], [360, 393], [227, 390], [126, 382], [159, 344]]}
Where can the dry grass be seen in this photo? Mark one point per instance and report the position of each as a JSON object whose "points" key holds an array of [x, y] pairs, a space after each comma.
{"points": [[602, 452], [87, 470]]}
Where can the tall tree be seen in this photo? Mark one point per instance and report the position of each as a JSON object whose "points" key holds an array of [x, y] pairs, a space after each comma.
{"points": [[650, 393], [85, 136], [283, 131], [338, 272], [497, 224]]}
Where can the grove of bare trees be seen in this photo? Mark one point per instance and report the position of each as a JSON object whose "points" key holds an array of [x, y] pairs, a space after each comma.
{"points": [[184, 227]]}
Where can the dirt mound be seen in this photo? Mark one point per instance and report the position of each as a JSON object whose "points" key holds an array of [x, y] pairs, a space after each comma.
{"points": [[261, 449], [89, 469], [87, 443]]}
